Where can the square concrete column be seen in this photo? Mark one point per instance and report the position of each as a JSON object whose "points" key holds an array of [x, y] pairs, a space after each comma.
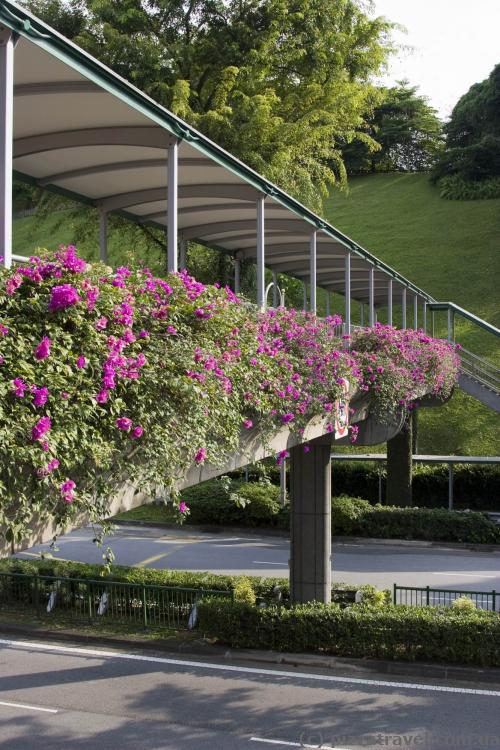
{"points": [[6, 142], [310, 524]]}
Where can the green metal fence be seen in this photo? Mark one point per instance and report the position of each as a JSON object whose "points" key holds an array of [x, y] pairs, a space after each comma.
{"points": [[427, 597], [82, 600]]}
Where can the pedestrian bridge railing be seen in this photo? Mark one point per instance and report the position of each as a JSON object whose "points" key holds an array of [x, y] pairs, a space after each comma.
{"points": [[429, 597], [100, 601]]}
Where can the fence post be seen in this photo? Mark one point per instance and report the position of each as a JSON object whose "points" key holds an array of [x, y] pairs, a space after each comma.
{"points": [[89, 598], [144, 609], [394, 589], [427, 596], [494, 600]]}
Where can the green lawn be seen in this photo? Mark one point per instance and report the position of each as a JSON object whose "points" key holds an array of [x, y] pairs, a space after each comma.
{"points": [[449, 249]]}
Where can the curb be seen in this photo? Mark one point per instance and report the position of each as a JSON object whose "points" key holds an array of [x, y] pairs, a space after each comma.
{"points": [[266, 531], [202, 648]]}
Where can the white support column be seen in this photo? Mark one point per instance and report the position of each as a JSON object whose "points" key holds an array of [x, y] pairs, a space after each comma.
{"points": [[403, 308], [371, 296], [261, 277], [304, 293], [103, 236], [312, 271], [172, 174], [415, 312], [237, 274], [362, 313], [182, 253], [424, 324], [275, 290], [328, 303], [389, 302], [347, 293], [6, 143]]}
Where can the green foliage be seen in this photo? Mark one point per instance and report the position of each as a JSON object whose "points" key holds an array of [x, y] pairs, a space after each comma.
{"points": [[233, 503], [243, 590], [428, 524], [276, 83], [402, 134], [402, 633], [463, 604], [472, 152], [455, 188]]}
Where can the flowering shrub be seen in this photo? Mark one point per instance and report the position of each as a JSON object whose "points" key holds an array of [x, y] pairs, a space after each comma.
{"points": [[112, 375]]}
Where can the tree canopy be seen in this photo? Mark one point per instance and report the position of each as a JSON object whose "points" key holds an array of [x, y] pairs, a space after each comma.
{"points": [[405, 127]]}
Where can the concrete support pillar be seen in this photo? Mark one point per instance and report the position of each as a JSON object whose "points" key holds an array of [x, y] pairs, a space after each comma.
{"points": [[310, 524], [103, 236], [312, 271], [371, 296], [237, 275], [261, 268], [403, 308], [389, 302], [399, 466], [172, 192], [347, 293], [6, 143], [182, 253]]}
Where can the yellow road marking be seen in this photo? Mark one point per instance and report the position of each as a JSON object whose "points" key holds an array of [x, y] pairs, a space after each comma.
{"points": [[155, 558]]}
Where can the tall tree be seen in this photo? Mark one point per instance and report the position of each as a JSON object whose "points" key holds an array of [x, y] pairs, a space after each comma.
{"points": [[406, 129]]}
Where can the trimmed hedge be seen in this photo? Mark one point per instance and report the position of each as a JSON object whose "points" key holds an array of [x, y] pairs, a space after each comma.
{"points": [[262, 587], [403, 633], [354, 516], [213, 502]]}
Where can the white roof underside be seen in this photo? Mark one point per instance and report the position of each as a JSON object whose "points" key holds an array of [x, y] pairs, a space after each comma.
{"points": [[72, 135]]}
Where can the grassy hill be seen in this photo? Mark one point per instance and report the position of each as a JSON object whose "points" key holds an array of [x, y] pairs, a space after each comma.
{"points": [[450, 249]]}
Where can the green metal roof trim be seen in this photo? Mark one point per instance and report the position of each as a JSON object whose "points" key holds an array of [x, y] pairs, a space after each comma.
{"points": [[32, 28]]}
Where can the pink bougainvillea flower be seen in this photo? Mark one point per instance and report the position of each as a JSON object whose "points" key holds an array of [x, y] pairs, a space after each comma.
{"points": [[143, 334], [183, 507], [81, 362], [101, 324], [67, 490], [102, 396], [19, 386], [3, 330], [40, 396], [307, 448], [137, 432], [41, 428], [63, 296], [200, 455], [287, 418], [247, 423], [282, 455], [13, 283], [124, 423], [43, 349]]}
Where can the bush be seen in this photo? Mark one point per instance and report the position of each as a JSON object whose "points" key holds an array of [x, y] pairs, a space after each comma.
{"points": [[455, 188], [233, 503], [406, 633], [463, 604], [427, 524]]}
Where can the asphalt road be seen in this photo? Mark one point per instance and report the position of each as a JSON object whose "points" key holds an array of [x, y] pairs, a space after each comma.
{"points": [[381, 565], [58, 697]]}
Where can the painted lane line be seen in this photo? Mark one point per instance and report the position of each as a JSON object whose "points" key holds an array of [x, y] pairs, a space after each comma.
{"points": [[265, 562], [466, 575], [295, 744], [245, 670], [29, 708]]}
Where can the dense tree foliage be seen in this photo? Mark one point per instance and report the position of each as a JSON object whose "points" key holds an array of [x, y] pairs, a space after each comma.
{"points": [[405, 127], [279, 83], [472, 152]]}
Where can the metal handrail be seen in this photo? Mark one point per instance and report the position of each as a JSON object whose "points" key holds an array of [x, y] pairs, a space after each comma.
{"points": [[451, 307]]}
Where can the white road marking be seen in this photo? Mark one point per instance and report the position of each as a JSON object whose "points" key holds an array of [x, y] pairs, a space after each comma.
{"points": [[265, 562], [294, 744], [466, 575], [246, 670], [30, 708]]}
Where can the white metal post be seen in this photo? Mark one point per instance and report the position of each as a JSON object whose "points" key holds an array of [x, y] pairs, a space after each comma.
{"points": [[389, 302], [347, 293], [312, 271], [424, 323], [403, 308], [415, 312], [6, 142], [451, 333], [182, 253], [237, 275], [304, 299], [362, 313], [172, 188], [261, 280], [103, 236], [371, 296], [275, 289]]}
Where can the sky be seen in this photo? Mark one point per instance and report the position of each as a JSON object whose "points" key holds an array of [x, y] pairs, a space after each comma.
{"points": [[455, 43]]}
